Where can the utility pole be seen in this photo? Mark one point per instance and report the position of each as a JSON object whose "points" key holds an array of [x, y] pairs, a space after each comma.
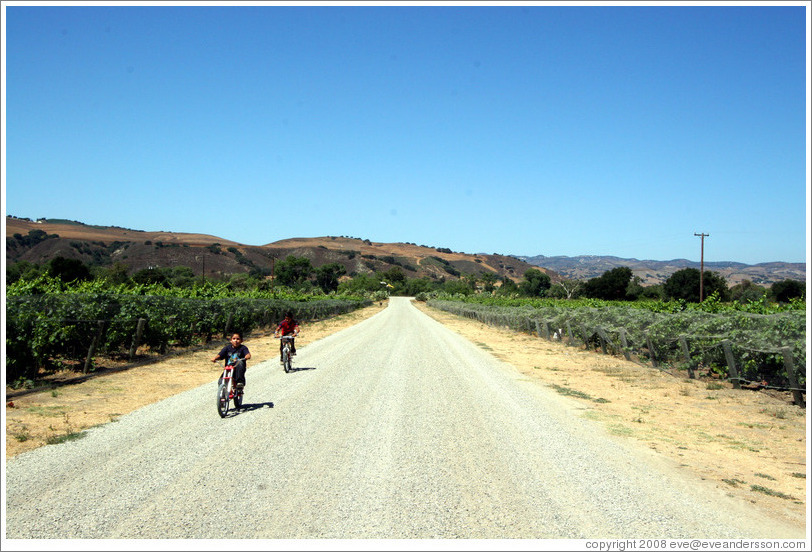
{"points": [[701, 265]]}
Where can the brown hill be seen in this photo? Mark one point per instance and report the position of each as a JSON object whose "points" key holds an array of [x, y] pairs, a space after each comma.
{"points": [[40, 241]]}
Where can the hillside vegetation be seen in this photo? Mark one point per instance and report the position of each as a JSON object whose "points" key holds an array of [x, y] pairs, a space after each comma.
{"points": [[213, 257]]}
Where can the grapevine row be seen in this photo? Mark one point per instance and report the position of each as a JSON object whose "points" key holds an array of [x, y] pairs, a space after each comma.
{"points": [[44, 329], [687, 339]]}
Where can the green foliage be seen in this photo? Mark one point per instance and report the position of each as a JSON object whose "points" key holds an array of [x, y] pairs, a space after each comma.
{"points": [[49, 321], [327, 276], [684, 284], [758, 333], [68, 270], [612, 285], [293, 271], [535, 283], [787, 290]]}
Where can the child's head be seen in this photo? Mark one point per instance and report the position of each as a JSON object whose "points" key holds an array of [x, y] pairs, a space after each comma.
{"points": [[288, 315], [236, 338]]}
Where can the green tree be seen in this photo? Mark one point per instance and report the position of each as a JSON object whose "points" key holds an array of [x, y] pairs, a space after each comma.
{"points": [[684, 284], [293, 271], [785, 290], [151, 276], [612, 285], [747, 291], [116, 274], [535, 283], [22, 270], [68, 270], [327, 276], [415, 286], [489, 280], [508, 287], [360, 284]]}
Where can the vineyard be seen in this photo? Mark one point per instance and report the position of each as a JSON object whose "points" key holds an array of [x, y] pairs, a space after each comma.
{"points": [[50, 324], [764, 349]]}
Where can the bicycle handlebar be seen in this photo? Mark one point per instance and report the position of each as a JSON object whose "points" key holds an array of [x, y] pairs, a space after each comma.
{"points": [[285, 337]]}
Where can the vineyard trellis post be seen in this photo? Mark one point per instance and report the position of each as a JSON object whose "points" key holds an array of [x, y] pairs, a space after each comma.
{"points": [[624, 344], [683, 343], [139, 331], [797, 395], [731, 365], [93, 344], [228, 325], [651, 352], [603, 339], [585, 336]]}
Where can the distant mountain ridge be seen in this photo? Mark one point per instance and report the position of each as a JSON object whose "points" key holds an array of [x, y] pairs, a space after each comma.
{"points": [[584, 267]]}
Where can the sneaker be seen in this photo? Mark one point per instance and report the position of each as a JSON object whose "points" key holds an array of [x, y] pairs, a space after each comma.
{"points": [[240, 386]]}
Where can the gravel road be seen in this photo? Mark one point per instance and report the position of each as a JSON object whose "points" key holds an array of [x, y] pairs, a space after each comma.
{"points": [[396, 428]]}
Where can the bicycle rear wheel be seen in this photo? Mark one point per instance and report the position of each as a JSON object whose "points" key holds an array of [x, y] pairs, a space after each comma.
{"points": [[222, 399], [238, 399]]}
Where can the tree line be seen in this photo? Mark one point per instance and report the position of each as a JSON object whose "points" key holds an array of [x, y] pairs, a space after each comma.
{"points": [[298, 273]]}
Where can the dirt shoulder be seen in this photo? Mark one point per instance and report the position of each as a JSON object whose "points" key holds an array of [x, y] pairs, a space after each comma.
{"points": [[751, 444]]}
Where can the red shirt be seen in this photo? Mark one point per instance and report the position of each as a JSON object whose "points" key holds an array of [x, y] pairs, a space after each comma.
{"points": [[287, 326]]}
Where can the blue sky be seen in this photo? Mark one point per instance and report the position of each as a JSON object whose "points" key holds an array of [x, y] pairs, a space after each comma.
{"points": [[524, 130]]}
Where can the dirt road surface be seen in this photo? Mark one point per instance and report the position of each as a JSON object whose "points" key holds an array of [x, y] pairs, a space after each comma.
{"points": [[398, 427]]}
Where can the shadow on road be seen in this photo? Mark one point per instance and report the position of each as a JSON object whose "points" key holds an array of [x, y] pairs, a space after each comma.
{"points": [[302, 369], [248, 407]]}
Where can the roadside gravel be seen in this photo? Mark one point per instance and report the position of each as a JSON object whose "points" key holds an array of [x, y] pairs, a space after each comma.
{"points": [[395, 428]]}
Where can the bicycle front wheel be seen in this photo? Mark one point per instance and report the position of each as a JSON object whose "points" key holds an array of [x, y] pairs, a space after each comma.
{"points": [[222, 399], [286, 359]]}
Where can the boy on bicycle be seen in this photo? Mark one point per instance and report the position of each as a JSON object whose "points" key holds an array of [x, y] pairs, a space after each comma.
{"points": [[235, 353], [288, 326]]}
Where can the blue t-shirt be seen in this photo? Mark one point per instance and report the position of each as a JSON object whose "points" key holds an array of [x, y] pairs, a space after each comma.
{"points": [[232, 354]]}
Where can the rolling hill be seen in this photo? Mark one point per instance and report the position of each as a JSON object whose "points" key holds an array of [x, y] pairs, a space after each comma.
{"points": [[137, 249], [106, 245]]}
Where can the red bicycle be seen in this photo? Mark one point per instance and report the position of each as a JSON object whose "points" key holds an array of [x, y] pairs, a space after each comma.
{"points": [[227, 392]]}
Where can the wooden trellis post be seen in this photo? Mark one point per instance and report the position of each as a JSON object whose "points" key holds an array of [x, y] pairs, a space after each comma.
{"points": [[651, 352], [139, 331], [603, 339], [731, 365], [93, 344], [683, 343], [624, 344], [789, 364]]}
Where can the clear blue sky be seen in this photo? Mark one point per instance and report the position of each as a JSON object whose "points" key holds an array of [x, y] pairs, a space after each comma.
{"points": [[524, 130]]}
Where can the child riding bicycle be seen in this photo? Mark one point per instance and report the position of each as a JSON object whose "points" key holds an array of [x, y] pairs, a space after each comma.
{"points": [[235, 353], [288, 326]]}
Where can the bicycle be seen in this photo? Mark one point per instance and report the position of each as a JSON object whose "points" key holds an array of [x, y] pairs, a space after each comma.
{"points": [[227, 392], [286, 354]]}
